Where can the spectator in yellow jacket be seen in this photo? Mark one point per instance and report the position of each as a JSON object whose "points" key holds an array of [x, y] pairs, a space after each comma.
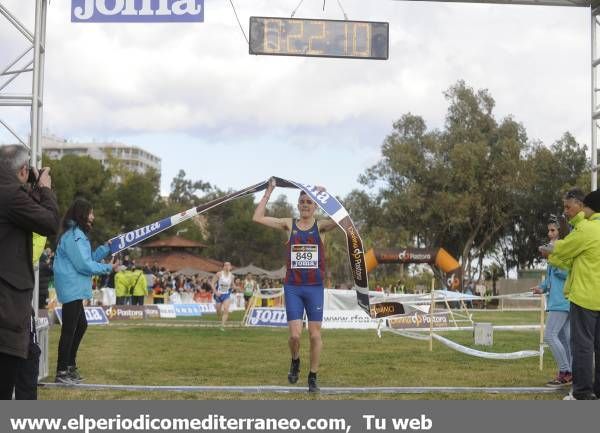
{"points": [[122, 292], [579, 252], [139, 288]]}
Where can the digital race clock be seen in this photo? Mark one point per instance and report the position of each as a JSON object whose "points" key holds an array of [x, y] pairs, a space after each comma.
{"points": [[319, 38]]}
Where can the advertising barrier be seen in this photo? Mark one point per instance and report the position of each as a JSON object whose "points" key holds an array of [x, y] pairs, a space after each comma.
{"points": [[151, 312], [340, 311], [125, 312], [418, 320], [187, 310], [267, 317], [93, 315], [339, 319], [167, 311], [208, 308]]}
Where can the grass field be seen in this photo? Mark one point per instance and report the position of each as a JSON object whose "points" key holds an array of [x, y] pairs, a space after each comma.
{"points": [[189, 354]]}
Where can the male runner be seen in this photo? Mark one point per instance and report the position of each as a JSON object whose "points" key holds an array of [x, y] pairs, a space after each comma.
{"points": [[303, 285]]}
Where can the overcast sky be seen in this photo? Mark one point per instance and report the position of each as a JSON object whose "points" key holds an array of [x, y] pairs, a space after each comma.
{"points": [[191, 94]]}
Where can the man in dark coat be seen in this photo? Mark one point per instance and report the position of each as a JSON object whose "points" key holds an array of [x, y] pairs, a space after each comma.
{"points": [[20, 216]]}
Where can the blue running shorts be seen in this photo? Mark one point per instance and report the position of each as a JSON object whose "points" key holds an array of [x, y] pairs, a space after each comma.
{"points": [[300, 298], [219, 299]]}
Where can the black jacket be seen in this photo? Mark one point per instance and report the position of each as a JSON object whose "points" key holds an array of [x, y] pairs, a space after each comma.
{"points": [[20, 215]]}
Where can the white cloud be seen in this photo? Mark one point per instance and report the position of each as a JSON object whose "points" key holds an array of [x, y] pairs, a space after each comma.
{"points": [[121, 81]]}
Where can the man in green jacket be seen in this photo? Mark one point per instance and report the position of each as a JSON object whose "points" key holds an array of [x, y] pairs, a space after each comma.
{"points": [[579, 252]]}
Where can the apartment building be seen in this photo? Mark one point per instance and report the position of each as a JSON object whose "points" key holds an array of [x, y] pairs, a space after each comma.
{"points": [[134, 158]]}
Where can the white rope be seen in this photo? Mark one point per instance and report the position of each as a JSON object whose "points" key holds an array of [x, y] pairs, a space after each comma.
{"points": [[487, 355], [463, 349]]}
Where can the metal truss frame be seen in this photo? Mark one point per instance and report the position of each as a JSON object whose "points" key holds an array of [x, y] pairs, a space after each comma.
{"points": [[32, 60]]}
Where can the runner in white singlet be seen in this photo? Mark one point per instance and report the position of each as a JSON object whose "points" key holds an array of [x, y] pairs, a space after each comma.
{"points": [[222, 286]]}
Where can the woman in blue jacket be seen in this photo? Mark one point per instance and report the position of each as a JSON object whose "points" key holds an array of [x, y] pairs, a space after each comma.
{"points": [[74, 265], [557, 334]]}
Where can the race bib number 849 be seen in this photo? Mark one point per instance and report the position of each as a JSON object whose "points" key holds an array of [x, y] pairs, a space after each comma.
{"points": [[305, 256]]}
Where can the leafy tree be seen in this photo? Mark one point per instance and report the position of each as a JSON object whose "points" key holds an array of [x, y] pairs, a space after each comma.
{"points": [[548, 173], [233, 236], [183, 191], [76, 176], [81, 176], [452, 188]]}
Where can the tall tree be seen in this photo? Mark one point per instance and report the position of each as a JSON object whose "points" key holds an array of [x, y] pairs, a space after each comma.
{"points": [[548, 173], [452, 188]]}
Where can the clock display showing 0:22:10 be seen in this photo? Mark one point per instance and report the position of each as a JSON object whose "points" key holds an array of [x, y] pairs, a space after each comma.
{"points": [[319, 38]]}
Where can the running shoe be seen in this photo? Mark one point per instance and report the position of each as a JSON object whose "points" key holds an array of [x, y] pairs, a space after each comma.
{"points": [[64, 378], [590, 396], [74, 374], [294, 371], [312, 383], [563, 379]]}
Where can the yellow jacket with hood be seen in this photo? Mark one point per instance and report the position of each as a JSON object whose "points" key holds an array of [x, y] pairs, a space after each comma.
{"points": [[579, 252]]}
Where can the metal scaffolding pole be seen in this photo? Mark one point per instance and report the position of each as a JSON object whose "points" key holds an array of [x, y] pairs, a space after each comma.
{"points": [[595, 62], [34, 100]]}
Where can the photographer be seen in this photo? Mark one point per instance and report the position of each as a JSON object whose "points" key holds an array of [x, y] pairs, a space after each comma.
{"points": [[21, 214]]}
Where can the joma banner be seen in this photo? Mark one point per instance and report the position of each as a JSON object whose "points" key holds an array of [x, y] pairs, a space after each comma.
{"points": [[137, 11]]}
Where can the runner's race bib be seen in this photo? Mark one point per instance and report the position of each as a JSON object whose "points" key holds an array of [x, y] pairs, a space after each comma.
{"points": [[305, 256]]}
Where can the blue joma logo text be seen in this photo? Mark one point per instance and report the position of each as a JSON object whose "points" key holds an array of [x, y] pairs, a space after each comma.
{"points": [[129, 11]]}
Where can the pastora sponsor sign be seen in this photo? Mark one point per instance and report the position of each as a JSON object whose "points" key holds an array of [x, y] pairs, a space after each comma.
{"points": [[136, 11], [125, 312], [93, 315], [267, 317], [418, 320]]}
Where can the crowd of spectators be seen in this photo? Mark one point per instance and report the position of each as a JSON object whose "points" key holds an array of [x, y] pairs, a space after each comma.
{"points": [[162, 283]]}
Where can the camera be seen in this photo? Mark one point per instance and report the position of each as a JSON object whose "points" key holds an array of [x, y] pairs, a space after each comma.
{"points": [[33, 179]]}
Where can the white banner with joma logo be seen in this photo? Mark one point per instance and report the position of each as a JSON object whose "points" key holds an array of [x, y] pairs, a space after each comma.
{"points": [[137, 11]]}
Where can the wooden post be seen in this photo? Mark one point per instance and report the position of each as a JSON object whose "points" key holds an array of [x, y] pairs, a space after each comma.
{"points": [[431, 310]]}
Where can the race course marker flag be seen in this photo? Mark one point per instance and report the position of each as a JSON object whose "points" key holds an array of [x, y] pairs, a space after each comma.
{"points": [[327, 202]]}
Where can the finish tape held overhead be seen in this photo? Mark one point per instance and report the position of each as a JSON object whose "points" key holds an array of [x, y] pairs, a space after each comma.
{"points": [[325, 200]]}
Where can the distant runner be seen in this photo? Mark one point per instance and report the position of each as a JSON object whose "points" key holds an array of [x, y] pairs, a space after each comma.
{"points": [[223, 285]]}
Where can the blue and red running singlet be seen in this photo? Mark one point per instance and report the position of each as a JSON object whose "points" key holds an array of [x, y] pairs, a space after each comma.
{"points": [[305, 257]]}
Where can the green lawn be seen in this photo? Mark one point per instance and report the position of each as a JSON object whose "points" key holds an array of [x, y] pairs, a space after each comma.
{"points": [[198, 355]]}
